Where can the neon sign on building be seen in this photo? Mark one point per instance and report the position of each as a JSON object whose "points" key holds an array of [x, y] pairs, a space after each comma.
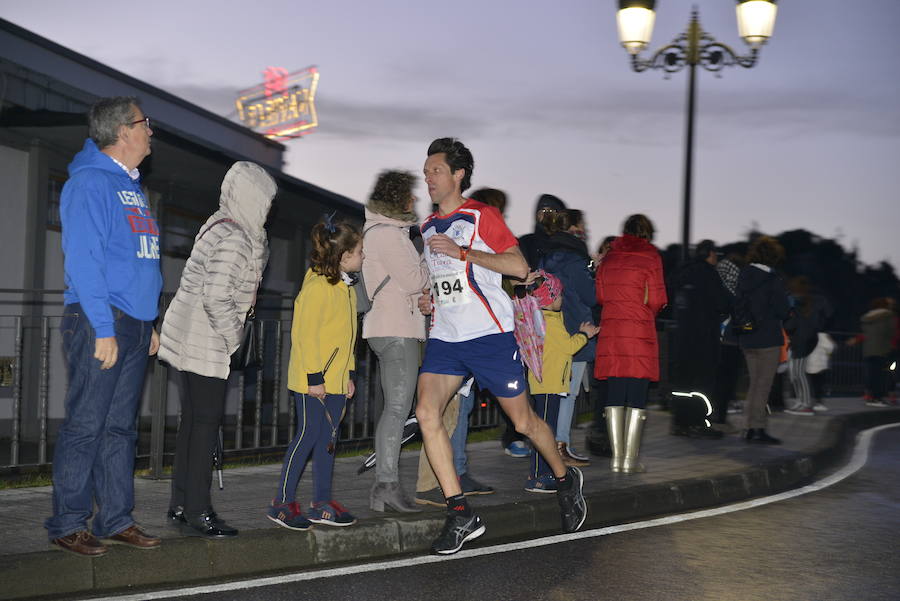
{"points": [[283, 106]]}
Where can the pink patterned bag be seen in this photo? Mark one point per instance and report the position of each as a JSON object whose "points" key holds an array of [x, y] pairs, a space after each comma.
{"points": [[529, 332]]}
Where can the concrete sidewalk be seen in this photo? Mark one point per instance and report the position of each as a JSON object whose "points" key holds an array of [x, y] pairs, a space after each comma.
{"points": [[682, 474]]}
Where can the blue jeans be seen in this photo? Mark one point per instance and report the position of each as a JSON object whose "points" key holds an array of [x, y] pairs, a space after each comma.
{"points": [[458, 440], [567, 403], [94, 456]]}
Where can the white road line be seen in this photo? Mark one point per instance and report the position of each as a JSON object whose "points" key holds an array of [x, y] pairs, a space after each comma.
{"points": [[857, 461]]}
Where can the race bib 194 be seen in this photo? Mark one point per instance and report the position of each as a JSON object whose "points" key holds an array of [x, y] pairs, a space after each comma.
{"points": [[449, 289]]}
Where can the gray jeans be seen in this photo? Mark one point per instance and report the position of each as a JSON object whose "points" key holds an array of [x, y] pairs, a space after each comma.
{"points": [[398, 359], [762, 363]]}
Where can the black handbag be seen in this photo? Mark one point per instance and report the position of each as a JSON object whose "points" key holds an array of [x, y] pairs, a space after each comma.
{"points": [[247, 355]]}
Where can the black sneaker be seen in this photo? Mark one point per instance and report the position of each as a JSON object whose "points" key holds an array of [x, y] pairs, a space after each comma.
{"points": [[458, 529], [471, 486], [572, 506], [431, 497]]}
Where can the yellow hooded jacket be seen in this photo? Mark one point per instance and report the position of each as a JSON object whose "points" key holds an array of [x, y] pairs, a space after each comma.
{"points": [[323, 336], [559, 346]]}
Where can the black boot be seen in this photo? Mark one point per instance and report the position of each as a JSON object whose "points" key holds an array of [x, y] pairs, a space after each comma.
{"points": [[760, 436], [208, 525]]}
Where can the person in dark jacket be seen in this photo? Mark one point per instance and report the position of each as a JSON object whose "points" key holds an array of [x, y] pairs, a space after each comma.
{"points": [[566, 256], [533, 244], [808, 318], [879, 326], [533, 247], [701, 303], [761, 306], [631, 289]]}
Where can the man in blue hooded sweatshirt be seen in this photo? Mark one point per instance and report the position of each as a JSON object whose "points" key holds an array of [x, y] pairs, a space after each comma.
{"points": [[111, 245]]}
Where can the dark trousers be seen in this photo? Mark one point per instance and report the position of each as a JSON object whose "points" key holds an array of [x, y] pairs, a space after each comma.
{"points": [[876, 376], [547, 408], [317, 429], [731, 360], [202, 408]]}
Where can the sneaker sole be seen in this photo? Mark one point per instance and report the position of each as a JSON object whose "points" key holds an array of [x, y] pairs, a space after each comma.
{"points": [[469, 537], [478, 492], [420, 501], [541, 491], [581, 494], [330, 523], [518, 455], [284, 525]]}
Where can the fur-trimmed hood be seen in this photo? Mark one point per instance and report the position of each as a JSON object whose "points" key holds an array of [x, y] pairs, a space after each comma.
{"points": [[391, 210]]}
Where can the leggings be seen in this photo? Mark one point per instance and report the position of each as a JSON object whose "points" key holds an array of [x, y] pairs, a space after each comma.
{"points": [[202, 407], [314, 434]]}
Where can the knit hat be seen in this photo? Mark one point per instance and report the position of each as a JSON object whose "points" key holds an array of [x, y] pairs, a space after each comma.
{"points": [[548, 201], [549, 291]]}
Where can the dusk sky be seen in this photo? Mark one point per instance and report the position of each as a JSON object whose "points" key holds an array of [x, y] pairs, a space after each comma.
{"points": [[544, 96]]}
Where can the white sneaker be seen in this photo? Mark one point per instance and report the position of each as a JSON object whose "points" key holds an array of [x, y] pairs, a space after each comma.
{"points": [[819, 407]]}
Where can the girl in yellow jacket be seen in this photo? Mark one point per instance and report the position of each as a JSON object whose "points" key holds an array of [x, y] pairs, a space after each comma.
{"points": [[320, 374], [556, 370]]}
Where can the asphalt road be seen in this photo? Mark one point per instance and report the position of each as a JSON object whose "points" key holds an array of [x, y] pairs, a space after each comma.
{"points": [[837, 543]]}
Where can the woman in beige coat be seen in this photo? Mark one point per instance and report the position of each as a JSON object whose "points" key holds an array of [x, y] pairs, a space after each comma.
{"points": [[201, 330], [393, 326]]}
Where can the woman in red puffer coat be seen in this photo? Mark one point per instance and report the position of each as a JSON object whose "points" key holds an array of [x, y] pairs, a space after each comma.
{"points": [[631, 289]]}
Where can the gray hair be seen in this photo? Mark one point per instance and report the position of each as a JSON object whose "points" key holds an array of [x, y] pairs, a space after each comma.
{"points": [[107, 115]]}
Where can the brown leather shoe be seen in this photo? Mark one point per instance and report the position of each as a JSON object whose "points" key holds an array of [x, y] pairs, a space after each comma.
{"points": [[81, 543], [567, 458], [133, 536]]}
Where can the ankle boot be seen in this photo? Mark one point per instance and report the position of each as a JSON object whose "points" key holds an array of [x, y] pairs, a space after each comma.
{"points": [[615, 427], [390, 495], [634, 428]]}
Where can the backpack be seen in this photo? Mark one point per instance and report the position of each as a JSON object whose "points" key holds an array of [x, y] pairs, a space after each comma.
{"points": [[743, 320], [363, 298]]}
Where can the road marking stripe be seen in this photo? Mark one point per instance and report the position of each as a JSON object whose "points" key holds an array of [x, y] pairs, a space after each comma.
{"points": [[857, 461]]}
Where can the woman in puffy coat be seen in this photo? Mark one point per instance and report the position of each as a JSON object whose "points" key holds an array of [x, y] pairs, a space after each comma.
{"points": [[202, 328], [631, 290]]}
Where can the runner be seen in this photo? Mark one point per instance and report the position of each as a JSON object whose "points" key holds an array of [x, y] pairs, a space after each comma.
{"points": [[468, 247]]}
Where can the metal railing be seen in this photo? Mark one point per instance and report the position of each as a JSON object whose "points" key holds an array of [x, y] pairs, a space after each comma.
{"points": [[260, 419]]}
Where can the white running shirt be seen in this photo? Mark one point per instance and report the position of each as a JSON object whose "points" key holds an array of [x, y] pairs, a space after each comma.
{"points": [[468, 301]]}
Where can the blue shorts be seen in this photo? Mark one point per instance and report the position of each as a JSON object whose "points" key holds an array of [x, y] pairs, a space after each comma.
{"points": [[493, 360]]}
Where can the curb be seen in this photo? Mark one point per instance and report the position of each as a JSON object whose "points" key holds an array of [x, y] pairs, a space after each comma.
{"points": [[258, 552]]}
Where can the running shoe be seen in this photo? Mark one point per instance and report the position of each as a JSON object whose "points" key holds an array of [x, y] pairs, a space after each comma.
{"points": [[288, 515], [458, 530], [518, 448], [330, 513], [572, 506], [541, 484]]}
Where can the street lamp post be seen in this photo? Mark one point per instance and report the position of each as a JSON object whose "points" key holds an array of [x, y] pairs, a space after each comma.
{"points": [[693, 48]]}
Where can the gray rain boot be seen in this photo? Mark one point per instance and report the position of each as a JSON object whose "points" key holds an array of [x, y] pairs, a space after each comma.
{"points": [[634, 428], [391, 496], [615, 427]]}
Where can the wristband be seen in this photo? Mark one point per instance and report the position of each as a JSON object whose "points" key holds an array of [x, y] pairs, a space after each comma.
{"points": [[463, 253]]}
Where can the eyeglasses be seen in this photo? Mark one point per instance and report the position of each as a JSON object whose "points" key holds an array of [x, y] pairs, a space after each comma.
{"points": [[145, 121]]}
